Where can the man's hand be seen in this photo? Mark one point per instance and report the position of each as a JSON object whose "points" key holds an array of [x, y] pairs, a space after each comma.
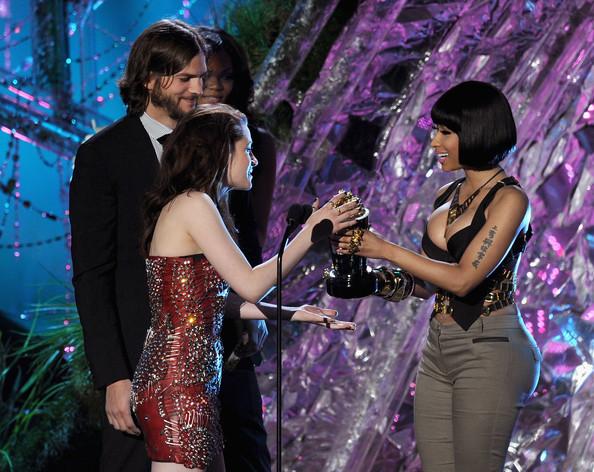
{"points": [[252, 339], [117, 406]]}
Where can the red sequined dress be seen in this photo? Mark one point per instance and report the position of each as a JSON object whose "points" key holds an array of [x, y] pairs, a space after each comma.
{"points": [[176, 383]]}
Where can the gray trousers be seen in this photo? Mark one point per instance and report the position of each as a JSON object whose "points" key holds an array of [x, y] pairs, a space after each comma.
{"points": [[469, 390]]}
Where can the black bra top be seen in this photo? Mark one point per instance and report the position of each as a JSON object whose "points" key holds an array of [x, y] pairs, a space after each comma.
{"points": [[468, 308], [459, 241]]}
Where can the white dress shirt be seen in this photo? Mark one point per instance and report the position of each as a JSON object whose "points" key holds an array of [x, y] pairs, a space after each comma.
{"points": [[155, 130]]}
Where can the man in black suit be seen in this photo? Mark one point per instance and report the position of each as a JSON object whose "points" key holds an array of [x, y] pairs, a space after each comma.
{"points": [[112, 172]]}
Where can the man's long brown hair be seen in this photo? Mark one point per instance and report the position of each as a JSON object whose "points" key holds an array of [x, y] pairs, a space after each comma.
{"points": [[196, 157], [163, 49]]}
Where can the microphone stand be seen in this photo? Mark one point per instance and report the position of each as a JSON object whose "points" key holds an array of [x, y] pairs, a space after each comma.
{"points": [[297, 215], [291, 226]]}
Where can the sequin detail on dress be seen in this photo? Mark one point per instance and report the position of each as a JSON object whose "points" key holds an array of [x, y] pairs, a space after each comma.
{"points": [[176, 383]]}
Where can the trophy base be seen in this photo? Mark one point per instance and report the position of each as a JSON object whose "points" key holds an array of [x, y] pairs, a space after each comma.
{"points": [[350, 285]]}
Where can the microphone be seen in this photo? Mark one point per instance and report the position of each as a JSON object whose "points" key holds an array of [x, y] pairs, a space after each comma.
{"points": [[321, 231], [297, 215]]}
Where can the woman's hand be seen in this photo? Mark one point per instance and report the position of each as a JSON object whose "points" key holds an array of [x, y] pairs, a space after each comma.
{"points": [[340, 215], [363, 243], [325, 317]]}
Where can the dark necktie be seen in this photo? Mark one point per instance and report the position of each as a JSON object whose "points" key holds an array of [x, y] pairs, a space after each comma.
{"points": [[163, 139]]}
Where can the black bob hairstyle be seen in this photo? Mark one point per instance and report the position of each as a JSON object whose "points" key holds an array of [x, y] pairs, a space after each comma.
{"points": [[481, 116]]}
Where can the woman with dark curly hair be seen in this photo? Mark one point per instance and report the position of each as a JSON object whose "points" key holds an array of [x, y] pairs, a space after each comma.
{"points": [[480, 364]]}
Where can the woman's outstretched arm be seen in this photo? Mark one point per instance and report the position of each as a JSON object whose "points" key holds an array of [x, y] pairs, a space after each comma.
{"points": [[506, 218], [304, 313], [201, 219]]}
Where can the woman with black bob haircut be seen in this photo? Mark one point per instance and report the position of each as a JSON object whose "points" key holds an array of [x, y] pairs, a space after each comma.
{"points": [[483, 143], [480, 364], [191, 261]]}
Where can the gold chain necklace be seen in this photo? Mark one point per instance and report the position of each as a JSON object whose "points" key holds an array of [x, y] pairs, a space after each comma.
{"points": [[457, 209]]}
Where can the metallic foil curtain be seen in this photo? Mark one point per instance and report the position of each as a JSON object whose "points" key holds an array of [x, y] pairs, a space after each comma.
{"points": [[348, 397]]}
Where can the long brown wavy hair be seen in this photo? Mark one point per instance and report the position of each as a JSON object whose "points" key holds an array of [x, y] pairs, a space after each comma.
{"points": [[161, 50], [196, 157]]}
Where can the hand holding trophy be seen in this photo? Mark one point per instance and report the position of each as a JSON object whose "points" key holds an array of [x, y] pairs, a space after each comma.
{"points": [[351, 277]]}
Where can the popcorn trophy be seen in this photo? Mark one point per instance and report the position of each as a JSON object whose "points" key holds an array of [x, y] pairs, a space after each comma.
{"points": [[351, 277]]}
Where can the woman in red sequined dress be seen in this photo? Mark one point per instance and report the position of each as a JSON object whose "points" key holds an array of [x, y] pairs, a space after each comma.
{"points": [[192, 261]]}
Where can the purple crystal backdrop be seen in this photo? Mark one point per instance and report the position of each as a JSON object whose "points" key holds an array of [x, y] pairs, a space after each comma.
{"points": [[348, 397]]}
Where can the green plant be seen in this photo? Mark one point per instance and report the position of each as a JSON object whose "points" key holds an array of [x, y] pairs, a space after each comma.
{"points": [[256, 24], [46, 387]]}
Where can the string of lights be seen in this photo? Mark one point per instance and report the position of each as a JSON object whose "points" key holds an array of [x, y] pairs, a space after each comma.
{"points": [[5, 213], [29, 114], [44, 160], [11, 186], [18, 245], [9, 189], [17, 42], [8, 158], [17, 185], [15, 28], [109, 80], [116, 66], [7, 155], [18, 29]]}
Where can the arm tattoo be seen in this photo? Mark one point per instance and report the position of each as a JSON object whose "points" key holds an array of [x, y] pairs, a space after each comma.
{"points": [[487, 243]]}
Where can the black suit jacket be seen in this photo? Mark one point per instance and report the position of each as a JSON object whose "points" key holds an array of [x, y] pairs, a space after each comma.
{"points": [[112, 172]]}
